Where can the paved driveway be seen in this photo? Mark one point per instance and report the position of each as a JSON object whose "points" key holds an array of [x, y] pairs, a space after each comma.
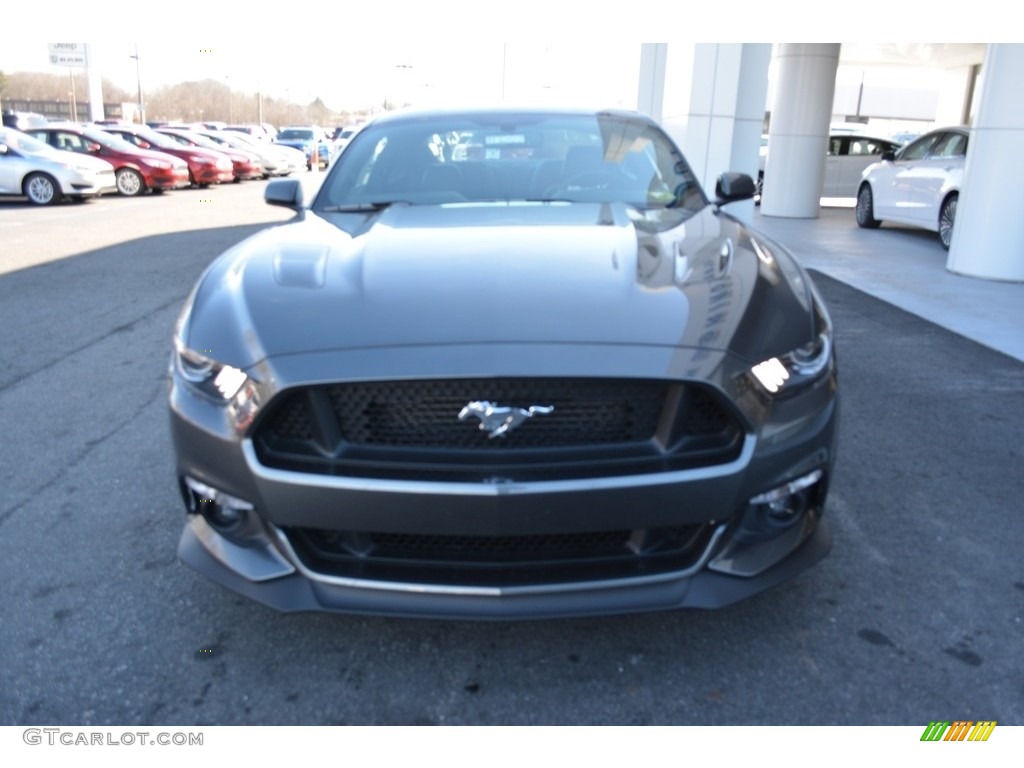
{"points": [[917, 615]]}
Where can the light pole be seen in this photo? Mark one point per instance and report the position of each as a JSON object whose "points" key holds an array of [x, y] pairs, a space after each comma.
{"points": [[403, 86], [138, 82], [231, 101]]}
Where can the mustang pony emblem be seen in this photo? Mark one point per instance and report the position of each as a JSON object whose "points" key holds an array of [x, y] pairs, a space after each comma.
{"points": [[496, 420]]}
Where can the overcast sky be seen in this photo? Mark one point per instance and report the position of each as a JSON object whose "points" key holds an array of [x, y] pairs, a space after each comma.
{"points": [[363, 73], [354, 54]]}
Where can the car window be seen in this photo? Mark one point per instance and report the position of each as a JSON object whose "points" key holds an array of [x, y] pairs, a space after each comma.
{"points": [[30, 142], [919, 148], [951, 145], [865, 146], [70, 142], [835, 146]]}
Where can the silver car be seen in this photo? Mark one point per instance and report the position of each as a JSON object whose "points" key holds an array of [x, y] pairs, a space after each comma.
{"points": [[277, 160], [545, 376], [45, 175]]}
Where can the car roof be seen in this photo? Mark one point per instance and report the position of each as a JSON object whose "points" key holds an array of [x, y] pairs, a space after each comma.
{"points": [[413, 114]]}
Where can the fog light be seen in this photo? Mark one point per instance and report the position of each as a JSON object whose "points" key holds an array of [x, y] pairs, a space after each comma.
{"points": [[773, 511], [787, 500], [221, 510]]}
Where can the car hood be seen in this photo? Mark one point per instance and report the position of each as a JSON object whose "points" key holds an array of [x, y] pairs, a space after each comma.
{"points": [[577, 273], [138, 154], [74, 159]]}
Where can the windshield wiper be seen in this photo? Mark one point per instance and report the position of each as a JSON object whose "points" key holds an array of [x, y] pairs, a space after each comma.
{"points": [[379, 205]]}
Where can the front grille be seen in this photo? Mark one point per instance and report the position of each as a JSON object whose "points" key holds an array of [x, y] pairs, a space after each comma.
{"points": [[499, 560], [411, 429]]}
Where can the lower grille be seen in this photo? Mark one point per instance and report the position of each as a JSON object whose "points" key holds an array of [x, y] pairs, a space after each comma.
{"points": [[500, 560], [413, 430]]}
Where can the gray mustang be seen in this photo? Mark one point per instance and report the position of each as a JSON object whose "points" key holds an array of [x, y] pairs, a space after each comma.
{"points": [[507, 363]]}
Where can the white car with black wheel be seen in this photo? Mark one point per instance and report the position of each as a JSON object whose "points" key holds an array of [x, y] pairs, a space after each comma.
{"points": [[919, 186], [44, 175]]}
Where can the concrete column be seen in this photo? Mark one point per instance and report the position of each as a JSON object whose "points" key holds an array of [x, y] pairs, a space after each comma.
{"points": [[988, 237], [723, 129], [651, 89], [798, 136], [95, 85]]}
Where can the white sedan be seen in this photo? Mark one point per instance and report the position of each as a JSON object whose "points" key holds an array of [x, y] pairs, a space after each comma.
{"points": [[44, 175], [920, 186]]}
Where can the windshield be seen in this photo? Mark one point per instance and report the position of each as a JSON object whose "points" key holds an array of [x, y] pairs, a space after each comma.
{"points": [[200, 141], [24, 143], [156, 139], [292, 134], [505, 156], [109, 140]]}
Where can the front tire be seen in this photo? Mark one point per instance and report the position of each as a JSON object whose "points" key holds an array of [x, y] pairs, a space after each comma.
{"points": [[866, 209], [129, 183], [41, 189], [947, 217]]}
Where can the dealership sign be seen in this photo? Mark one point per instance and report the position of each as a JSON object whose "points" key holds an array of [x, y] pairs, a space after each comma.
{"points": [[67, 54]]}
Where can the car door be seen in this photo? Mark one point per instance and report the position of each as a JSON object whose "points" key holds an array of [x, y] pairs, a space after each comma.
{"points": [[943, 166], [858, 153], [837, 148], [11, 170], [896, 194]]}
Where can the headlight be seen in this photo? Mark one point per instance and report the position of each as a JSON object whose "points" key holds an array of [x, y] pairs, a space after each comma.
{"points": [[213, 379], [200, 160], [785, 373], [162, 165]]}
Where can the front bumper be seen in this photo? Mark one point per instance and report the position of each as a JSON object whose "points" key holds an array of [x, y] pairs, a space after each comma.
{"points": [[786, 439], [89, 184], [211, 174], [262, 574], [174, 179], [245, 171]]}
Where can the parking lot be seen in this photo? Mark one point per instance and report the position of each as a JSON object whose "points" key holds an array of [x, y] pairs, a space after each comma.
{"points": [[917, 614]]}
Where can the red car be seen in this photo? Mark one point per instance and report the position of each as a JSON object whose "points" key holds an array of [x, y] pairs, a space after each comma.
{"points": [[246, 164], [135, 170], [205, 166]]}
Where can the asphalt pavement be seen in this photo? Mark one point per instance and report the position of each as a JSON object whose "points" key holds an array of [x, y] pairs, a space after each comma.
{"points": [[916, 615]]}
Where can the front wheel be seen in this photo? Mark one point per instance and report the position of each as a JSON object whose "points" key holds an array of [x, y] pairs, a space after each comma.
{"points": [[41, 189], [129, 183], [946, 218], [866, 209]]}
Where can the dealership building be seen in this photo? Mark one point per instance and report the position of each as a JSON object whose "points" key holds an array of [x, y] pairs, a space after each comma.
{"points": [[712, 98]]}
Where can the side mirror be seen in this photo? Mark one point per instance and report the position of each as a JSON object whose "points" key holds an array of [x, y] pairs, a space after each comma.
{"points": [[284, 192], [734, 186], [142, 143], [92, 146], [889, 156]]}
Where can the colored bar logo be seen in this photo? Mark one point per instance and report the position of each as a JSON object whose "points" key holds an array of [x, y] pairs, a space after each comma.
{"points": [[959, 730]]}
